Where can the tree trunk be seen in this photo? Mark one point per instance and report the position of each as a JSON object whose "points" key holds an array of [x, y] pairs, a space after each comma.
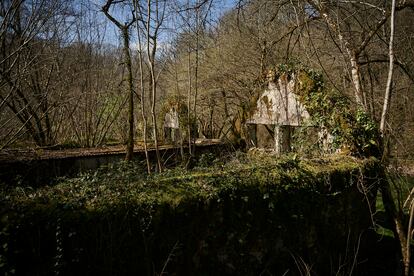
{"points": [[189, 99], [196, 67], [388, 88], [142, 89], [404, 237], [153, 82], [127, 60], [399, 230], [128, 64], [356, 80], [154, 119]]}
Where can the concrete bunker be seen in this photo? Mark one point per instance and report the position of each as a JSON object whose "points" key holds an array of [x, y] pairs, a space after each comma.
{"points": [[176, 120], [278, 113], [171, 125]]}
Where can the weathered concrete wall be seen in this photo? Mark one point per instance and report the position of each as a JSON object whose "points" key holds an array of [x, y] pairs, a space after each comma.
{"points": [[42, 172], [277, 112], [279, 105], [171, 119]]}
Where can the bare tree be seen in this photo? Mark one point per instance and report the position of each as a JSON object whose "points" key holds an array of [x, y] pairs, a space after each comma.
{"points": [[152, 16], [93, 94], [141, 84], [344, 24], [403, 236], [30, 37], [193, 15], [124, 29]]}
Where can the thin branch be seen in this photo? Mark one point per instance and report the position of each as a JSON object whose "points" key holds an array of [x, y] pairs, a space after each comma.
{"points": [[195, 7]]}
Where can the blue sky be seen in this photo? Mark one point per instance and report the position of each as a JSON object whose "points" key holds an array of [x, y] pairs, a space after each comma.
{"points": [[112, 34]]}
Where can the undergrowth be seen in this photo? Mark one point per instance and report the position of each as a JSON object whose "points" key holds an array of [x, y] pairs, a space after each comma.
{"points": [[236, 215], [122, 182]]}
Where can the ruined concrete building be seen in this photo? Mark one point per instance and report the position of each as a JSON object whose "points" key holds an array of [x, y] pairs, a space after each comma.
{"points": [[276, 114], [171, 126]]}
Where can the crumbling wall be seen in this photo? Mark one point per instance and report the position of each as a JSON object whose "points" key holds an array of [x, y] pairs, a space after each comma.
{"points": [[171, 126], [278, 111]]}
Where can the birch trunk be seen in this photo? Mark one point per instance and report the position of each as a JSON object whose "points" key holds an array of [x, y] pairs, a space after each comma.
{"points": [[356, 80], [388, 88], [151, 49], [404, 237], [142, 90]]}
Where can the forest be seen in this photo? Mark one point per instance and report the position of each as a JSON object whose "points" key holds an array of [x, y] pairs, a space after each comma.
{"points": [[95, 74]]}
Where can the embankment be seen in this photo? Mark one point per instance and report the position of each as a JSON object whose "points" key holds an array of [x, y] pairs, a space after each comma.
{"points": [[249, 216]]}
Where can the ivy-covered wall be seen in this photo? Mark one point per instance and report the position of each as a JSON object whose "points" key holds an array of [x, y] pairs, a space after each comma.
{"points": [[248, 216], [351, 129]]}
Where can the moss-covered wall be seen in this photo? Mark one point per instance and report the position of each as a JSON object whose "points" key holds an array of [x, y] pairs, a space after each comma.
{"points": [[41, 171], [246, 217]]}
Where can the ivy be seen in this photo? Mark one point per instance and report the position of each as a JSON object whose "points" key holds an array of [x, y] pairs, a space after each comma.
{"points": [[353, 130]]}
